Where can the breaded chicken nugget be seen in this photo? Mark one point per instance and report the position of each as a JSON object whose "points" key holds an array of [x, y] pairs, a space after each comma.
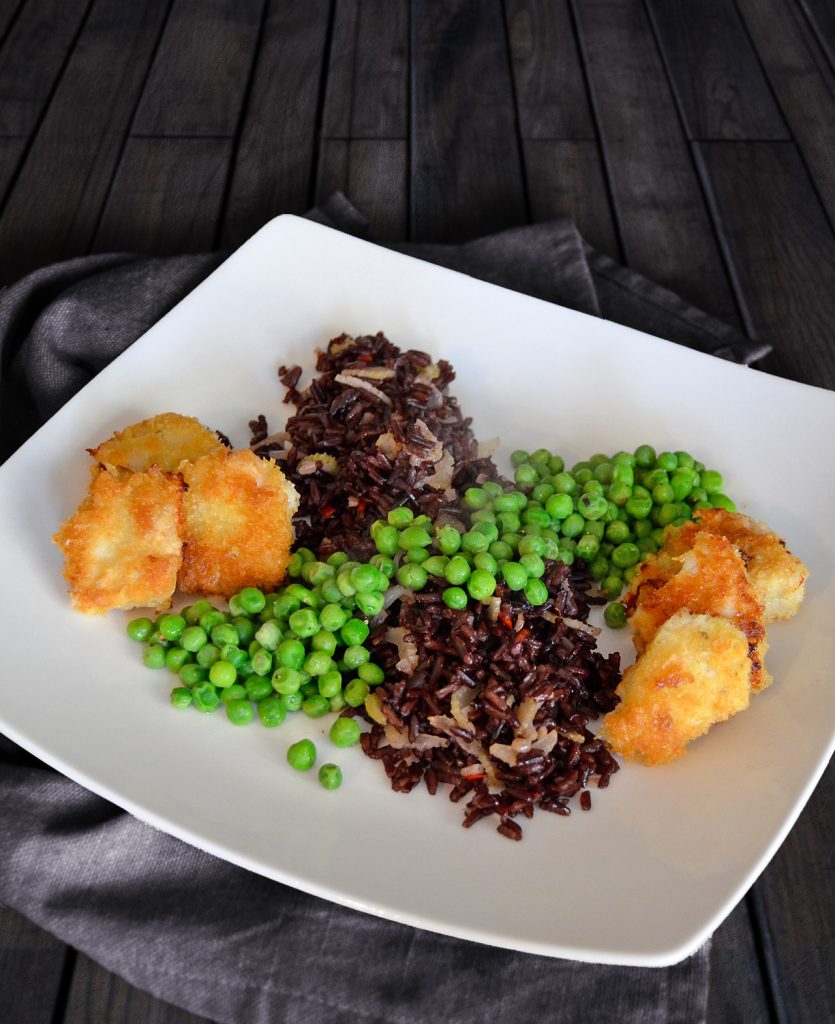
{"points": [[693, 673], [238, 523], [708, 579], [779, 578], [165, 441], [122, 548]]}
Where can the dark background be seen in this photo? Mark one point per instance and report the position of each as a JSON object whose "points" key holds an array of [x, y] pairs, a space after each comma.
{"points": [[690, 139]]}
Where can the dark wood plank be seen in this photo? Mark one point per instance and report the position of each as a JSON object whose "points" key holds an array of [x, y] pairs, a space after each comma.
{"points": [[32, 58], [782, 249], [368, 84], [547, 74], [98, 995], [737, 992], [57, 200], [719, 82], [565, 179], [166, 197], [796, 896], [664, 224], [31, 968], [803, 82], [199, 76], [373, 173], [466, 172], [821, 15], [274, 162]]}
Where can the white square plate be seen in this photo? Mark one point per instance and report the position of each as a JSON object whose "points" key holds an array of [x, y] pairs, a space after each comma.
{"points": [[666, 852]]}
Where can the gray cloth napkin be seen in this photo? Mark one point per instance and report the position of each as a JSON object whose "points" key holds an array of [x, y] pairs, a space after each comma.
{"points": [[192, 929]]}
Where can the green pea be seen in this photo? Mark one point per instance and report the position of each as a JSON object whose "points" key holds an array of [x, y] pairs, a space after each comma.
{"points": [[455, 598], [518, 457], [515, 575], [626, 554], [618, 494], [644, 456], [258, 688], [302, 755], [304, 622], [354, 632], [154, 656], [400, 517], [330, 776], [618, 532], [566, 555], [205, 697], [512, 540], [355, 693], [239, 712], [193, 612], [475, 497], [526, 475], [574, 525], [317, 662], [339, 558], [615, 615], [457, 570], [529, 545], [316, 706], [140, 629], [719, 500], [176, 658], [209, 620], [641, 528], [646, 545], [500, 551], [638, 506], [370, 604], [171, 626], [536, 592], [285, 605], [222, 674], [234, 692], [414, 537], [533, 565], [508, 522], [287, 680], [448, 540], [272, 712], [542, 492], [292, 701], [667, 461], [559, 506], [667, 513], [474, 541], [484, 560], [588, 546], [564, 483], [412, 576], [481, 585], [383, 564], [191, 674], [591, 506], [355, 655], [599, 568], [180, 697], [612, 586], [345, 732]]}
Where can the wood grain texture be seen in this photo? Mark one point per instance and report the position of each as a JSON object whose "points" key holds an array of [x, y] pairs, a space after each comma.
{"points": [[58, 198], [32, 58], [199, 76], [798, 904], [782, 249], [373, 172], [547, 73], [465, 170], [166, 197], [31, 968], [274, 160], [737, 985], [803, 83], [96, 995], [721, 88], [565, 179], [664, 224], [368, 76]]}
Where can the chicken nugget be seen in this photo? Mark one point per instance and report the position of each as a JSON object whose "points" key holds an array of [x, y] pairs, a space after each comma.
{"points": [[709, 578], [779, 578], [123, 547], [693, 673], [238, 523], [165, 441]]}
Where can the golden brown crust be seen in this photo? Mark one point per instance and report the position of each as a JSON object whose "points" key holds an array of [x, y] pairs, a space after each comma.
{"points": [[164, 441], [238, 523], [122, 547], [693, 673]]}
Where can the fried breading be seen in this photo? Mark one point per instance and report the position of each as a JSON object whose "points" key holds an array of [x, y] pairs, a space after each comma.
{"points": [[709, 578], [693, 673], [779, 578], [238, 523], [164, 441], [123, 546]]}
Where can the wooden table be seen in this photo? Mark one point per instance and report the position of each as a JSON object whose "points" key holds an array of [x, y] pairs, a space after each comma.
{"points": [[694, 141]]}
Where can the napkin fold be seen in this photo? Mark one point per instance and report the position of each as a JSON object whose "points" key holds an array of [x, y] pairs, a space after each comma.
{"points": [[192, 929]]}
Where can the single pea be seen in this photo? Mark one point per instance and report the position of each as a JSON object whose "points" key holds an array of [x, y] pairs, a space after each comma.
{"points": [[209, 620], [564, 483], [475, 497], [252, 600], [646, 545], [258, 688], [345, 732], [618, 494], [542, 492], [626, 554], [535, 516], [484, 560], [507, 503], [412, 576], [371, 673], [594, 487], [338, 558], [294, 565], [400, 517], [666, 513], [533, 565], [508, 522], [642, 528], [536, 592], [481, 584], [435, 565], [330, 683], [629, 573], [596, 527], [317, 662], [193, 612], [292, 701], [355, 693], [448, 540], [319, 572], [245, 628], [492, 489], [615, 615], [384, 564], [180, 697], [172, 626], [330, 776], [559, 506], [355, 655], [490, 531], [591, 506], [662, 494], [239, 712], [603, 473], [285, 605], [518, 457], [290, 654], [332, 618], [422, 520], [191, 674], [355, 631], [237, 691], [304, 622], [224, 633], [154, 656], [307, 689], [515, 575], [667, 461], [176, 658], [612, 586], [711, 481], [574, 525], [222, 673], [645, 456], [618, 532], [696, 495], [566, 555], [474, 541], [455, 598], [457, 570], [140, 629], [417, 556], [414, 537], [272, 712], [269, 635], [512, 540], [719, 500], [588, 546], [529, 545], [205, 697], [324, 641], [343, 582], [316, 706], [638, 506], [287, 680], [599, 568], [526, 475], [500, 551], [551, 550], [302, 755]]}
